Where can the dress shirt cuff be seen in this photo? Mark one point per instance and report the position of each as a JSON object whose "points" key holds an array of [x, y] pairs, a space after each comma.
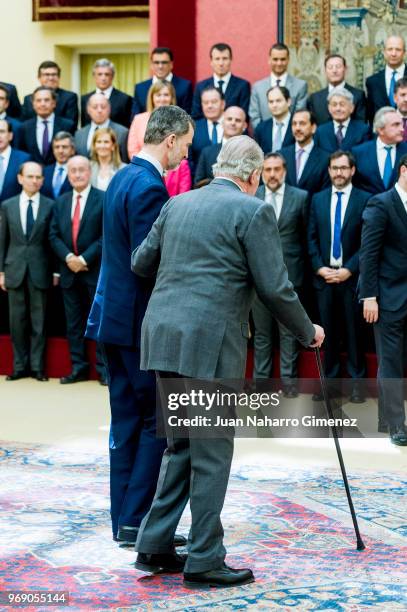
{"points": [[368, 298], [56, 275], [69, 256], [83, 260]]}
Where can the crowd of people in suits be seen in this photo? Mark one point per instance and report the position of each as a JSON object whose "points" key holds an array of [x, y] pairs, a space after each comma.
{"points": [[326, 155]]}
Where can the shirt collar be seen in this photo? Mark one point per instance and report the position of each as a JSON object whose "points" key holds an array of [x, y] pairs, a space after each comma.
{"points": [[50, 119], [6, 154], [84, 194], [153, 160], [3, 115], [225, 79], [331, 87], [401, 192], [284, 121], [343, 124], [281, 77], [399, 70], [308, 148], [380, 144], [100, 125], [35, 199], [169, 78], [279, 192], [105, 92], [346, 190]]}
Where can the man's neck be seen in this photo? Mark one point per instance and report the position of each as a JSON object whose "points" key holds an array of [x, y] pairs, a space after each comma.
{"points": [[44, 118], [386, 142], [157, 152], [305, 144], [281, 118], [4, 149], [81, 189], [29, 195], [395, 67]]}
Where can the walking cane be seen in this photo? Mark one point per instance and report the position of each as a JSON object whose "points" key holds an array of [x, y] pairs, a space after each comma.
{"points": [[359, 541]]}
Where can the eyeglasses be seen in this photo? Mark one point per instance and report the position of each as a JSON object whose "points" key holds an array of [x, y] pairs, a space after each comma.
{"points": [[49, 74], [161, 63], [339, 168]]}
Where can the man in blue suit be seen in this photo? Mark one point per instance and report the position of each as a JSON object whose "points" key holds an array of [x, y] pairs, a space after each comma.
{"points": [[235, 90], [14, 109], [133, 201], [276, 132], [10, 162], [4, 114], [209, 129], [161, 66], [377, 160], [342, 132], [56, 180]]}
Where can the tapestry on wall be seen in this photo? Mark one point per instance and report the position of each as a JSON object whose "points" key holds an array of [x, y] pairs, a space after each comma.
{"points": [[52, 10]]}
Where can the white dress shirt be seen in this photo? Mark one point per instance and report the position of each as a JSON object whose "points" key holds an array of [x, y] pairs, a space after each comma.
{"points": [[402, 194], [282, 78], [93, 127], [3, 115], [278, 198], [344, 124], [225, 80], [56, 172], [24, 198], [331, 87], [219, 129], [307, 150], [154, 161], [167, 78], [285, 122], [382, 154], [40, 130], [388, 74], [106, 92], [6, 158], [344, 204]]}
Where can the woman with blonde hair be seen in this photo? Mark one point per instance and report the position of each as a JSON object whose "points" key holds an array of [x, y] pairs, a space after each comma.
{"points": [[161, 93], [105, 157]]}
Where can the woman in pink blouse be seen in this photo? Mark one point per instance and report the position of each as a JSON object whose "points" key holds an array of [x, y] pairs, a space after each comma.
{"points": [[161, 93]]}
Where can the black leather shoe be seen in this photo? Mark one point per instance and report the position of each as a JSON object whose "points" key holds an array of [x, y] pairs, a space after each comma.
{"points": [[221, 577], [74, 378], [39, 375], [167, 562], [127, 536], [103, 381], [357, 396], [17, 375], [398, 436], [290, 391], [382, 427]]}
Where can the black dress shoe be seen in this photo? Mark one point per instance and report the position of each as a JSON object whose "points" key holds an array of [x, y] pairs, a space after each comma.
{"points": [[382, 427], [74, 378], [17, 375], [357, 397], [103, 381], [398, 436], [39, 375], [223, 576], [127, 536], [166, 562], [290, 391]]}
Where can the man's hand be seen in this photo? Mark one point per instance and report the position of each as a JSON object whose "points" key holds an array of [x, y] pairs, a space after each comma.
{"points": [[55, 280], [342, 275], [327, 274], [371, 310], [319, 336], [75, 264], [3, 281]]}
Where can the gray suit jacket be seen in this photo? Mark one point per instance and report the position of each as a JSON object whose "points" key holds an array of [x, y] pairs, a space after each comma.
{"points": [[212, 248], [259, 110], [81, 140], [19, 255], [292, 227]]}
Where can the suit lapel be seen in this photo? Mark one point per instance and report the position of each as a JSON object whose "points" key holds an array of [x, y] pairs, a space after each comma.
{"points": [[373, 163], [87, 211], [399, 207], [40, 216], [331, 135], [15, 215], [349, 209], [309, 166]]}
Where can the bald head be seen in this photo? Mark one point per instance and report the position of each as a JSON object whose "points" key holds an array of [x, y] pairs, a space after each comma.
{"points": [[79, 171], [234, 121], [30, 178], [98, 108], [394, 51]]}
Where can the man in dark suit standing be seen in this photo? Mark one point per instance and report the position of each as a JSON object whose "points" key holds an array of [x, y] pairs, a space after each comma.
{"points": [[10, 162], [49, 74], [334, 231], [120, 103], [400, 98], [335, 72], [275, 133], [56, 176], [234, 124], [209, 249], [235, 90], [26, 271], [291, 209], [307, 164], [377, 160], [380, 86], [132, 203], [14, 109], [209, 129], [162, 64], [36, 134], [342, 132], [76, 239], [383, 289], [4, 110]]}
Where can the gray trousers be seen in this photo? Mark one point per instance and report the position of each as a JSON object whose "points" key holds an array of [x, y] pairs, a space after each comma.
{"points": [[27, 325], [263, 345], [196, 470]]}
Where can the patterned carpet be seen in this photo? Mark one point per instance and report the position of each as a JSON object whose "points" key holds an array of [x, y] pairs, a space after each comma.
{"points": [[292, 527]]}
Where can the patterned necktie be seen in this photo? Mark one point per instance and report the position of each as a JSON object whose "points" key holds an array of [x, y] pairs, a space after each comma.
{"points": [[388, 168], [278, 138], [2, 173], [45, 139], [58, 182], [298, 159], [391, 89], [404, 129], [30, 219], [273, 202], [339, 135], [336, 248], [220, 86], [214, 133], [76, 221]]}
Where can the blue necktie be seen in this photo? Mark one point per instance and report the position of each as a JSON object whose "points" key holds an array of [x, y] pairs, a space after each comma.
{"points": [[2, 173], [336, 249], [58, 182], [388, 168], [214, 133], [30, 219], [391, 90]]}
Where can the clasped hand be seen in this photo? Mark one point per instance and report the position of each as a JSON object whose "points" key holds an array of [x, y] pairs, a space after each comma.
{"points": [[330, 275], [75, 264]]}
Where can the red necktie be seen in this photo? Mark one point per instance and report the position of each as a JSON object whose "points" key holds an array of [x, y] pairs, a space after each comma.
{"points": [[76, 221]]}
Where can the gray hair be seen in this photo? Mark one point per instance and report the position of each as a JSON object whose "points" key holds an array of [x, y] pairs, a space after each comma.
{"points": [[103, 62], [342, 92], [239, 157], [97, 96], [64, 135], [167, 120], [379, 120]]}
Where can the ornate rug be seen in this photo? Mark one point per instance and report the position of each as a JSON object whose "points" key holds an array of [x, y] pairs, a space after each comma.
{"points": [[292, 527]]}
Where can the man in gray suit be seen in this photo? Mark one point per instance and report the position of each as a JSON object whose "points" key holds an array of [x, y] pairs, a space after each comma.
{"points": [[279, 58], [98, 108], [290, 206], [26, 270], [210, 249]]}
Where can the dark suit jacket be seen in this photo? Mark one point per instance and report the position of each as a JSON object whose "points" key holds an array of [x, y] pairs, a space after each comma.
{"points": [[237, 94], [14, 108], [377, 93], [318, 104], [356, 133], [292, 224], [206, 160], [19, 255], [315, 174], [183, 89], [263, 134], [199, 142], [16, 127], [47, 188], [28, 138], [11, 187], [132, 203], [319, 232], [89, 237], [120, 105], [383, 254], [367, 175], [67, 106]]}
